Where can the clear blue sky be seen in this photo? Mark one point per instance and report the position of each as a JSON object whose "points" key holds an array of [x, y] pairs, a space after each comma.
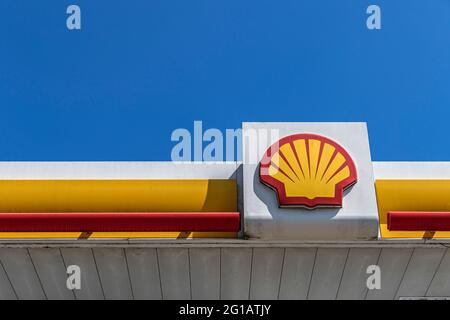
{"points": [[139, 69]]}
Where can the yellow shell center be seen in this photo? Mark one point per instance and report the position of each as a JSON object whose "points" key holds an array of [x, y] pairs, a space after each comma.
{"points": [[310, 174]]}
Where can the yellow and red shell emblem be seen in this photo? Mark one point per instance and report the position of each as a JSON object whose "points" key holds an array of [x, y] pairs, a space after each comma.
{"points": [[308, 170]]}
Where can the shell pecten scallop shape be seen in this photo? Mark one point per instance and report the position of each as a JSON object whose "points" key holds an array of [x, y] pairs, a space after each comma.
{"points": [[308, 170]]}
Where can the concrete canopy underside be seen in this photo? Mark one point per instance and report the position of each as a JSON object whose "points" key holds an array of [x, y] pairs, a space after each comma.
{"points": [[224, 269]]}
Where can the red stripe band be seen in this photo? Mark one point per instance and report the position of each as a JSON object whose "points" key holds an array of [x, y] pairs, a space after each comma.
{"points": [[418, 221], [120, 222]]}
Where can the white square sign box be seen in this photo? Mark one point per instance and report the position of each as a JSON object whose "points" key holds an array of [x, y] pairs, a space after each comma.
{"points": [[314, 183]]}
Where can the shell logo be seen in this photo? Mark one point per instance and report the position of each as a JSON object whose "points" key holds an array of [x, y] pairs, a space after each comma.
{"points": [[307, 170]]}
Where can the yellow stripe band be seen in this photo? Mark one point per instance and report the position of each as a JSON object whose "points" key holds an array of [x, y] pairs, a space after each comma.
{"points": [[412, 195], [118, 195], [130, 235]]}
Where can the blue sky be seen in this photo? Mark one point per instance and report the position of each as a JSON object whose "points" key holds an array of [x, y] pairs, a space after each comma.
{"points": [[139, 69]]}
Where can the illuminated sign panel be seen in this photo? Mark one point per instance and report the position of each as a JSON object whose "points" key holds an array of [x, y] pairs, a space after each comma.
{"points": [[290, 167]]}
